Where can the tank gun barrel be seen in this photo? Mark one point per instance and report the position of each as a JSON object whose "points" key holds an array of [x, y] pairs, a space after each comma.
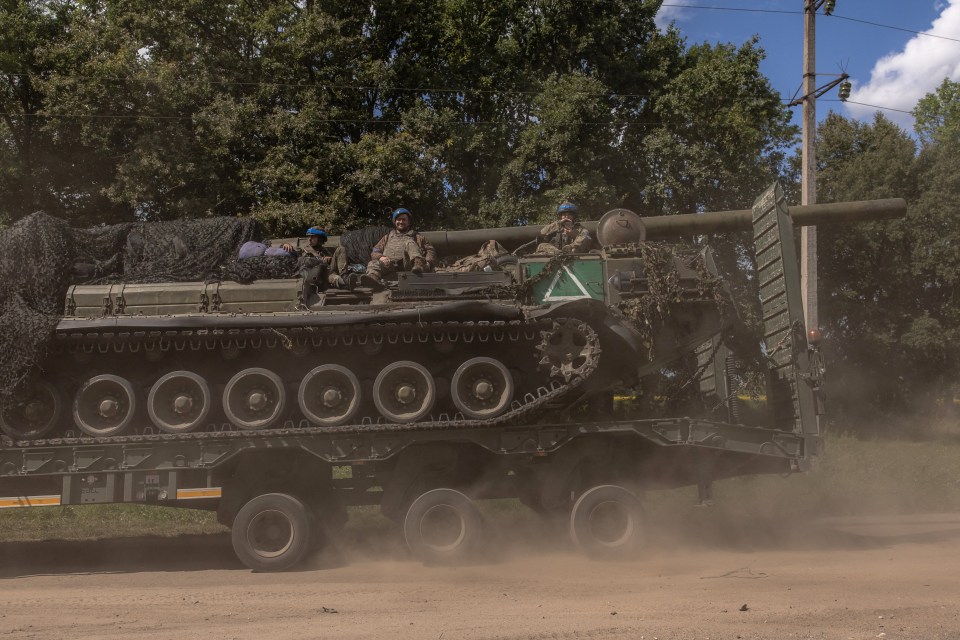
{"points": [[680, 225], [690, 224], [661, 227]]}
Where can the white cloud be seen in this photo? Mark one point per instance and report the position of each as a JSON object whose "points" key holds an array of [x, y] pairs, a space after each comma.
{"points": [[666, 15], [900, 79]]}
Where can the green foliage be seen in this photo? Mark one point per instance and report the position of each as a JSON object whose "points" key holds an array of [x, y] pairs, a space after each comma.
{"points": [[937, 115], [470, 112], [888, 302]]}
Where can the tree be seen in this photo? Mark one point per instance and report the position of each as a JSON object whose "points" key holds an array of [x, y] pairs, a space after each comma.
{"points": [[888, 306], [472, 112], [40, 166], [937, 114]]}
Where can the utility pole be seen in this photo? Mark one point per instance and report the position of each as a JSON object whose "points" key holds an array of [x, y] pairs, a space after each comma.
{"points": [[808, 235]]}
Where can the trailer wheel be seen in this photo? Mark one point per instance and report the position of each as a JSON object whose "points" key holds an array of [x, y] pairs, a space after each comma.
{"points": [[607, 522], [272, 532], [443, 526]]}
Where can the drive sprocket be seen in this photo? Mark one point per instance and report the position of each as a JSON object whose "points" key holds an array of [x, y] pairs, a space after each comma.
{"points": [[569, 349]]}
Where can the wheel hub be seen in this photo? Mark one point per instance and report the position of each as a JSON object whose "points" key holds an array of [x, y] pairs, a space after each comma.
{"points": [[108, 408], [406, 393], [332, 397], [270, 534], [35, 411], [257, 400], [182, 404], [483, 389]]}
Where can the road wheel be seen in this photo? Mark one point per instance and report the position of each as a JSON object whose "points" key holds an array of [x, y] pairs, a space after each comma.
{"points": [[36, 416], [443, 526], [104, 405], [607, 522], [179, 402], [254, 398], [272, 532], [482, 388], [404, 392]]}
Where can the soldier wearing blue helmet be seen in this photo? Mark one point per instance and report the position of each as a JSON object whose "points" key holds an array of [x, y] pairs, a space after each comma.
{"points": [[316, 237], [565, 235], [403, 249], [335, 265]]}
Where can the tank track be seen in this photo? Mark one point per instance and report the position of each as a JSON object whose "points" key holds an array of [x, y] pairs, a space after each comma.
{"points": [[293, 345]]}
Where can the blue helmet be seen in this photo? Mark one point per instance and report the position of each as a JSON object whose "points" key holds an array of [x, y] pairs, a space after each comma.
{"points": [[567, 207], [397, 212], [317, 231]]}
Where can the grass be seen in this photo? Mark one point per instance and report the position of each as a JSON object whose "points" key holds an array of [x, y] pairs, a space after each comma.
{"points": [[103, 521], [857, 477]]}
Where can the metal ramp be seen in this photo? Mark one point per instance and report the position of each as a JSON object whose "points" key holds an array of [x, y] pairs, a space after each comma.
{"points": [[794, 372]]}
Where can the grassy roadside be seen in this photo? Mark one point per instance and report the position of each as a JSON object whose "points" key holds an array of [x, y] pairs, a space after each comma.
{"points": [[855, 477]]}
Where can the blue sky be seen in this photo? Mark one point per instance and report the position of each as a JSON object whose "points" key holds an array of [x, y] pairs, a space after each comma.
{"points": [[888, 68]]}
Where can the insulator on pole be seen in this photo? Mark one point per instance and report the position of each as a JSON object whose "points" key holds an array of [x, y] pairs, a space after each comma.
{"points": [[844, 92]]}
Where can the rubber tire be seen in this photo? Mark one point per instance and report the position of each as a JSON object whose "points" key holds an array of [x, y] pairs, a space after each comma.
{"points": [[471, 520], [584, 507], [300, 522]]}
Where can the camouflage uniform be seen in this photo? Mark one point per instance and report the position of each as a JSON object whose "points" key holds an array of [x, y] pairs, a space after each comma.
{"points": [[313, 252], [402, 249], [338, 267], [322, 255], [554, 239], [485, 256]]}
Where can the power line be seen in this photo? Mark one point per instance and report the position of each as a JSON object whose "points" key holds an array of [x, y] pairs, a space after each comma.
{"points": [[872, 106], [888, 26], [373, 121], [794, 12], [742, 9], [308, 85], [142, 116]]}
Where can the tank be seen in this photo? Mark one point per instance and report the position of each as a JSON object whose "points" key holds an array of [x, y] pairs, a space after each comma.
{"points": [[534, 338]]}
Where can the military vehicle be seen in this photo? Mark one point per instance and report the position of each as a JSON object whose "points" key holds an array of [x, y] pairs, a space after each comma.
{"points": [[445, 388]]}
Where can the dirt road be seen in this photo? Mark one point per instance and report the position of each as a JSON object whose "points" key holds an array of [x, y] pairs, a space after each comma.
{"points": [[839, 587]]}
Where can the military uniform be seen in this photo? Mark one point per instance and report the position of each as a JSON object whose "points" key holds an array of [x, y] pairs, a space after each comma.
{"points": [[403, 249], [553, 238], [313, 252], [486, 256], [338, 267]]}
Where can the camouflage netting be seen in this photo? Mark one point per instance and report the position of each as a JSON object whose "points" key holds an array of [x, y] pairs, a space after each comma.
{"points": [[36, 257], [359, 243], [41, 256]]}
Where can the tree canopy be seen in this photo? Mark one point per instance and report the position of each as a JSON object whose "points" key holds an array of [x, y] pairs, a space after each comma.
{"points": [[889, 290], [471, 112]]}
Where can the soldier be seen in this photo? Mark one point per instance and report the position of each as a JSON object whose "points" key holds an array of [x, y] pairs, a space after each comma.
{"points": [[403, 249], [335, 265], [316, 237], [565, 235]]}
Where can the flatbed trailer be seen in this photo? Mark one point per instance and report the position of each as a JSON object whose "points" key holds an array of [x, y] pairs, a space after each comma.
{"points": [[328, 469]]}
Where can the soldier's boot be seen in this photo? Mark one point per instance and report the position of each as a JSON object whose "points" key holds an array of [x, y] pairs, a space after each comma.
{"points": [[419, 265], [341, 283], [371, 280]]}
